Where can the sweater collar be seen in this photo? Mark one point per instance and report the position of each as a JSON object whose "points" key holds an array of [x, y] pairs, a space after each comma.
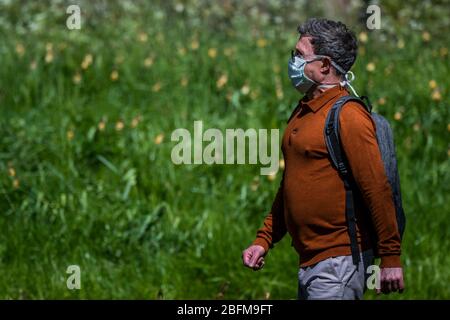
{"points": [[318, 102]]}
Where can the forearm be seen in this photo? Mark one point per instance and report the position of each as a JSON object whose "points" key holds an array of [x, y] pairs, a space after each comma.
{"points": [[360, 145], [274, 227]]}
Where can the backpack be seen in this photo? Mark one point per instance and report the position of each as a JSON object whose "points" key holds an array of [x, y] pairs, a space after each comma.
{"points": [[386, 145]]}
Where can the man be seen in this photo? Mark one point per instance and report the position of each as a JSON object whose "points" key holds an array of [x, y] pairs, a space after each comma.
{"points": [[310, 203]]}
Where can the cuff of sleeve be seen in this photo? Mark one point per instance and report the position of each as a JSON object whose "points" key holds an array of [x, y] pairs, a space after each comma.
{"points": [[392, 261], [261, 242]]}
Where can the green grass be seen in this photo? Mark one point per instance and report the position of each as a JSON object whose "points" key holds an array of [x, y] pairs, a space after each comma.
{"points": [[112, 202]]}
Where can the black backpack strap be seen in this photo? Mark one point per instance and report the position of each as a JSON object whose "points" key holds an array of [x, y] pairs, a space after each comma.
{"points": [[332, 141]]}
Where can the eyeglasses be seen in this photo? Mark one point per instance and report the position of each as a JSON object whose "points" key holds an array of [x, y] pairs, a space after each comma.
{"points": [[295, 53]]}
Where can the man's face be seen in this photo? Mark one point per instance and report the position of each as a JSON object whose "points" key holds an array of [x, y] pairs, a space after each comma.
{"points": [[313, 70]]}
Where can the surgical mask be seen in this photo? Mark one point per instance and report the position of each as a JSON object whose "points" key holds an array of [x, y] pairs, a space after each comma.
{"points": [[296, 72]]}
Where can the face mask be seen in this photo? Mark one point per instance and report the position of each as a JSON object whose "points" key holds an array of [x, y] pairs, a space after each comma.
{"points": [[296, 72]]}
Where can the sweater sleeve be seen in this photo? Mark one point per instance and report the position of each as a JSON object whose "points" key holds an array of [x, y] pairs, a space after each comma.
{"points": [[274, 227], [359, 142]]}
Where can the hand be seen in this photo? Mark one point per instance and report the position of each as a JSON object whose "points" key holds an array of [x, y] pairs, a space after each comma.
{"points": [[253, 257], [391, 280]]}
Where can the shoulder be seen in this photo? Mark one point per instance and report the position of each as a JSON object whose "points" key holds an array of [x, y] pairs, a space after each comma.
{"points": [[354, 116], [353, 110]]}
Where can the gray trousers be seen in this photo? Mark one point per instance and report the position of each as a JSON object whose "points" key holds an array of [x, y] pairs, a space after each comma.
{"points": [[335, 278]]}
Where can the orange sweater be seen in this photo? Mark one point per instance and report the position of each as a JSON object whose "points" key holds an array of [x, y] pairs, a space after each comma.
{"points": [[310, 203]]}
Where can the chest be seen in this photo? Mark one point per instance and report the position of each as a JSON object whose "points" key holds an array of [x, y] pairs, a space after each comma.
{"points": [[304, 135]]}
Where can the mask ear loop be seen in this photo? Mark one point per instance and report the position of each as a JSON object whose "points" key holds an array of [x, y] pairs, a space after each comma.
{"points": [[349, 77]]}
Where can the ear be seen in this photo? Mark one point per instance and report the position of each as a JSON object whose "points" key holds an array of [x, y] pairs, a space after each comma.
{"points": [[326, 65]]}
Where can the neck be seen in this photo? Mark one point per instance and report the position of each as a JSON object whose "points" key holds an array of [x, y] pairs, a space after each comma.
{"points": [[316, 90]]}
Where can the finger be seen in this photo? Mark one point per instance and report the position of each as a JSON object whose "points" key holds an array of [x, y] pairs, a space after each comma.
{"points": [[247, 258], [244, 257], [385, 286], [388, 286], [260, 263], [254, 259], [394, 285]]}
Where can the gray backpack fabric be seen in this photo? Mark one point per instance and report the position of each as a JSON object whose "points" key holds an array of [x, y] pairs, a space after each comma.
{"points": [[386, 144]]}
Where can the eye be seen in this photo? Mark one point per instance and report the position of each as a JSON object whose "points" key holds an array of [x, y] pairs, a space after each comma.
{"points": [[296, 53]]}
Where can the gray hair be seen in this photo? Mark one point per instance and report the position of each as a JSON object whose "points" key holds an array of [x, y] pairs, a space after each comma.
{"points": [[332, 39]]}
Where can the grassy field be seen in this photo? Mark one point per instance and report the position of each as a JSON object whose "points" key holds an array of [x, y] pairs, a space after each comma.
{"points": [[86, 176]]}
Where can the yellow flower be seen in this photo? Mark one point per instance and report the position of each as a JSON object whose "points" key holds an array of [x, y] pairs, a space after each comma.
{"points": [[448, 127], [114, 75], [222, 81], [267, 295], [142, 37], [101, 125], [426, 36], [363, 37], [212, 53], [261, 43], [432, 84], [156, 87], [436, 95], [70, 135], [148, 62], [194, 44], [119, 125], [20, 49], [272, 176], [278, 88], [381, 101], [279, 92], [245, 89], [135, 121], [281, 164], [87, 61], [159, 138], [400, 44], [184, 81], [49, 57], [416, 127], [255, 184], [49, 46], [16, 183], [371, 67], [398, 116], [12, 172], [443, 51], [33, 65], [182, 51], [76, 78]]}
